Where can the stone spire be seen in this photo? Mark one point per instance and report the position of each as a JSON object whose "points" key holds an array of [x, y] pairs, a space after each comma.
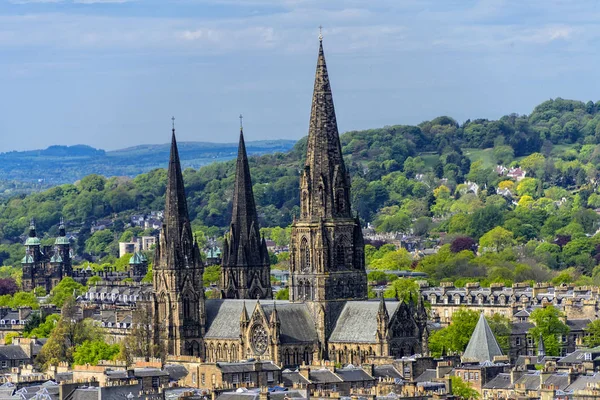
{"points": [[178, 308], [325, 177], [245, 269], [483, 345], [245, 246], [176, 212], [541, 353]]}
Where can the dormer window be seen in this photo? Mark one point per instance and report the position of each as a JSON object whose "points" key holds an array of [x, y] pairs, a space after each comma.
{"points": [[588, 356], [13, 321]]}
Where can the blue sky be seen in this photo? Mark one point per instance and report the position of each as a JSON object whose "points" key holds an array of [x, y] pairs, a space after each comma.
{"points": [[110, 73]]}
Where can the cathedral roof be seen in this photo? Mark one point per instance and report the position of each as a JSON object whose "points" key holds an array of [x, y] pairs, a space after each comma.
{"points": [[358, 321], [223, 319], [483, 345]]}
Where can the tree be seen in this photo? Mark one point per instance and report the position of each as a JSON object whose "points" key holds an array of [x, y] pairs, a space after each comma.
{"points": [[67, 335], [403, 290], [462, 243], [534, 163], [8, 286], [394, 260], [592, 339], [283, 294], [496, 240], [99, 241], [456, 336], [65, 289], [549, 325], [92, 351], [463, 390]]}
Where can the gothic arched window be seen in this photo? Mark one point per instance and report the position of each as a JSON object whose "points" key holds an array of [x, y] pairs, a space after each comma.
{"points": [[340, 256], [304, 255], [186, 306]]}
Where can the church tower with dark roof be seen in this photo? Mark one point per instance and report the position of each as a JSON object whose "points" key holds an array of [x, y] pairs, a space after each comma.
{"points": [[179, 306], [245, 268], [327, 250]]}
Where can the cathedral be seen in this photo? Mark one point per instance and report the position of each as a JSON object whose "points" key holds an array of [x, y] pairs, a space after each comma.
{"points": [[328, 315]]}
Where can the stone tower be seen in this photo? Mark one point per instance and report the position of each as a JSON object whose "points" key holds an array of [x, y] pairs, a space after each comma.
{"points": [[179, 308], [245, 269], [327, 249]]}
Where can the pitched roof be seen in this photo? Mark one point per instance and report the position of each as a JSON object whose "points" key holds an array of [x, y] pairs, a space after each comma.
{"points": [[358, 321], [500, 381], [223, 319], [483, 345]]}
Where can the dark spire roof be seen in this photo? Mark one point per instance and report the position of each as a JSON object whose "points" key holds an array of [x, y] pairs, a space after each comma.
{"points": [[244, 245], [483, 345], [176, 213], [324, 163], [541, 347]]}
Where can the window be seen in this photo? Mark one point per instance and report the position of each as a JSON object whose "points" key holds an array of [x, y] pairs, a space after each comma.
{"points": [[457, 300], [529, 341], [202, 378], [4, 364], [470, 376], [246, 377], [194, 377], [270, 376], [518, 341], [235, 379], [476, 376], [588, 356], [155, 381]]}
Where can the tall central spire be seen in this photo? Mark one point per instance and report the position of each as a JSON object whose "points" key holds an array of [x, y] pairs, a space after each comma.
{"points": [[176, 212], [325, 173]]}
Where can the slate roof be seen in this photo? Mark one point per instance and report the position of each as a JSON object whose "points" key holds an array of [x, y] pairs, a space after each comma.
{"points": [[349, 374], [254, 395], [223, 319], [521, 328], [578, 324], [500, 381], [323, 376], [530, 381], [290, 377], [246, 366], [578, 356], [386, 371], [176, 371], [582, 382], [358, 322], [427, 376], [144, 372], [482, 345], [12, 352]]}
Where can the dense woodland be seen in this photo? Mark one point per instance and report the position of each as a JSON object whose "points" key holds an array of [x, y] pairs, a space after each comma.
{"points": [[409, 179]]}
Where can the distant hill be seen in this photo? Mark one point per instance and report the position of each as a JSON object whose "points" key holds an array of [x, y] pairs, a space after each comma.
{"points": [[67, 164]]}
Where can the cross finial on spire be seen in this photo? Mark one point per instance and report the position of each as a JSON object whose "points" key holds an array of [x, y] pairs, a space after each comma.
{"points": [[241, 122], [173, 123], [320, 32]]}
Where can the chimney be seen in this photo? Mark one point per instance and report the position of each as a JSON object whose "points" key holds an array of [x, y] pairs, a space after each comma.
{"points": [[264, 393], [305, 371]]}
